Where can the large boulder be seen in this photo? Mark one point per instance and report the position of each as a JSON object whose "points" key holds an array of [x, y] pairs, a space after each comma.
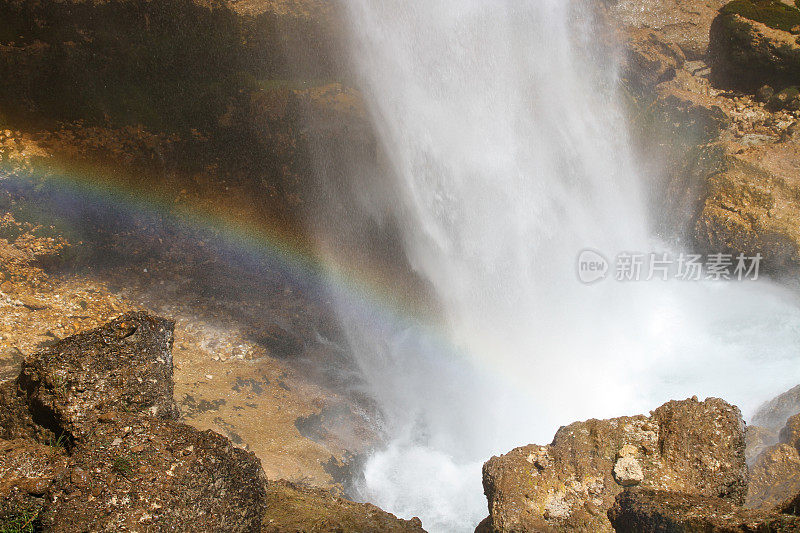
{"points": [[689, 446], [753, 42], [142, 472], [774, 477], [790, 434], [758, 439], [101, 402], [125, 365], [136, 473], [645, 511]]}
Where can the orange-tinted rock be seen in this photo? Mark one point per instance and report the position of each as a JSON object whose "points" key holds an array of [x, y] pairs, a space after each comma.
{"points": [[774, 477], [690, 446]]}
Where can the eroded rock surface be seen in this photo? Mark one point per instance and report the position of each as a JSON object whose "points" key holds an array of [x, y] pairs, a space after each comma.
{"points": [[142, 472], [125, 365], [751, 204], [651, 59], [123, 462], [689, 446], [758, 439], [774, 477], [296, 508]]}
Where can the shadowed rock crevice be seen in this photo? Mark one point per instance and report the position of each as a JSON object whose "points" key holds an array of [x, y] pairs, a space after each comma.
{"points": [[646, 511]]}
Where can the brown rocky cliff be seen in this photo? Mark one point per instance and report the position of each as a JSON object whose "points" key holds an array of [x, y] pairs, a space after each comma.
{"points": [[722, 161]]}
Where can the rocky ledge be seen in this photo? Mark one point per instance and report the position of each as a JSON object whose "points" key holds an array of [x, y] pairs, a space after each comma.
{"points": [[90, 440], [641, 510], [715, 110], [683, 468]]}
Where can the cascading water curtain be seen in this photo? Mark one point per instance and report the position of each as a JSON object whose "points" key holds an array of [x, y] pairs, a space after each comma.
{"points": [[509, 156]]}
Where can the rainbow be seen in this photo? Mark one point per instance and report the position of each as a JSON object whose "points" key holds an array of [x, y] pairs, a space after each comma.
{"points": [[366, 286]]}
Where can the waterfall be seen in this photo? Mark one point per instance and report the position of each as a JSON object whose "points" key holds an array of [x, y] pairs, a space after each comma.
{"points": [[509, 155]]}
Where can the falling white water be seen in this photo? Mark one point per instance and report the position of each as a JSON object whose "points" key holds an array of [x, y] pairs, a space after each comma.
{"points": [[509, 156]]}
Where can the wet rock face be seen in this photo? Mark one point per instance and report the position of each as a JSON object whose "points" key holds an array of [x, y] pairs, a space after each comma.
{"points": [[725, 160], [775, 472], [774, 413], [643, 511], [125, 365], [295, 508], [790, 434], [758, 439], [750, 205], [774, 477], [690, 446], [751, 44], [684, 23], [650, 58]]}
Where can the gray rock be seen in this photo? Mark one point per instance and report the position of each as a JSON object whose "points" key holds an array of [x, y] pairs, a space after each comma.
{"points": [[628, 472], [774, 413]]}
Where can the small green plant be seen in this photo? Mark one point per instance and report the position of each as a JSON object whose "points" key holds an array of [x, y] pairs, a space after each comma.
{"points": [[59, 441], [24, 522], [122, 465]]}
